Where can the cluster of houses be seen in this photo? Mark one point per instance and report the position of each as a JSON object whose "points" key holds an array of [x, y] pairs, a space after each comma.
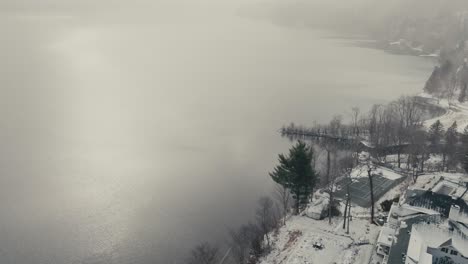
{"points": [[429, 224], [422, 230], [415, 235]]}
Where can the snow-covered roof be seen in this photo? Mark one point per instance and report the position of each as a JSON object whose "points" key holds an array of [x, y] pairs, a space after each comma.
{"points": [[451, 184], [425, 182], [386, 236], [319, 203], [387, 173], [392, 218], [434, 236], [460, 227], [458, 216], [445, 187], [406, 210], [452, 187]]}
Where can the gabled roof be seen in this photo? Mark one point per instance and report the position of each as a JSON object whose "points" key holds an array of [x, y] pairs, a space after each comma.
{"points": [[446, 243], [458, 216], [434, 236], [461, 246], [462, 228]]}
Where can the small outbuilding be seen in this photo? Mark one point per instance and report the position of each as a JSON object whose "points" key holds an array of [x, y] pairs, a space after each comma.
{"points": [[318, 208]]}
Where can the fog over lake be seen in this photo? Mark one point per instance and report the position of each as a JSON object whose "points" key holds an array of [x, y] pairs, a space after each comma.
{"points": [[128, 139]]}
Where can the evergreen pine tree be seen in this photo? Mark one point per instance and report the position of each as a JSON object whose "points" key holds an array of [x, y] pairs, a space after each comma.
{"points": [[451, 140], [451, 136], [435, 134], [464, 137], [464, 143], [295, 172]]}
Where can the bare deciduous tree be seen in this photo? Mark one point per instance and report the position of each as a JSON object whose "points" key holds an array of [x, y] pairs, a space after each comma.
{"points": [[283, 196], [371, 186], [408, 116], [355, 114], [243, 241], [331, 188], [266, 217], [369, 167], [346, 165]]}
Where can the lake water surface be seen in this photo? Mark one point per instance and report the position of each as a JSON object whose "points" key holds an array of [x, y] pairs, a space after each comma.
{"points": [[128, 142]]}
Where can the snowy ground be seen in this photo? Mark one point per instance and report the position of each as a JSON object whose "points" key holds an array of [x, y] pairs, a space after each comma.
{"points": [[361, 171], [294, 242], [455, 111], [434, 163]]}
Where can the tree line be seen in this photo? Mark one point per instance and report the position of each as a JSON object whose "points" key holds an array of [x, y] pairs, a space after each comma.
{"points": [[395, 128]]}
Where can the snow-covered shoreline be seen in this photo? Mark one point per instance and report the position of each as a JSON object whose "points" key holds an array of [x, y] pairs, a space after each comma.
{"points": [[454, 111]]}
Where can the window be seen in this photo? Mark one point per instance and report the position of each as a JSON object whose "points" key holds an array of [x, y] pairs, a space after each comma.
{"points": [[445, 250], [453, 252]]}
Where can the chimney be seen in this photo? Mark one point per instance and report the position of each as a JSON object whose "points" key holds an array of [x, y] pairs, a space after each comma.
{"points": [[454, 212]]}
